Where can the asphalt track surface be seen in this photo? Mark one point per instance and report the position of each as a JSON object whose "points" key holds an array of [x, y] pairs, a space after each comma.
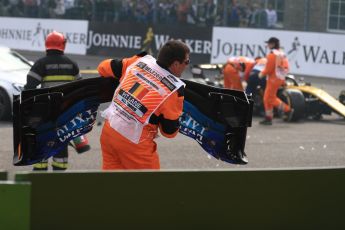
{"points": [[304, 144]]}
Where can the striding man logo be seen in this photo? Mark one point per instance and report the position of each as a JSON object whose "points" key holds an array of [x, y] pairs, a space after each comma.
{"points": [[293, 52], [37, 36]]}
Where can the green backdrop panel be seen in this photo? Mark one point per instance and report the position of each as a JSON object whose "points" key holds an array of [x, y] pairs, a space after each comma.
{"points": [[3, 175], [241, 199], [14, 206]]}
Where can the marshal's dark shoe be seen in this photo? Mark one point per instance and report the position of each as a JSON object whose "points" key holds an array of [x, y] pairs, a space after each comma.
{"points": [[239, 157], [265, 122]]}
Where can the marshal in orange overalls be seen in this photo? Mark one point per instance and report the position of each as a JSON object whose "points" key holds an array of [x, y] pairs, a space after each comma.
{"points": [[273, 83], [120, 153], [232, 70]]}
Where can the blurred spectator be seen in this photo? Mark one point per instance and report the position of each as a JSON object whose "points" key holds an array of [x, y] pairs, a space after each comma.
{"points": [[192, 17], [3, 8], [209, 12], [69, 4], [166, 12], [51, 5], [234, 16], [117, 10], [172, 11], [271, 17], [60, 8], [127, 13], [69, 8], [163, 10], [31, 8], [182, 11], [13, 8], [198, 12], [258, 18], [245, 11], [143, 12], [43, 10], [104, 10], [219, 19], [85, 8], [250, 14], [99, 8]]}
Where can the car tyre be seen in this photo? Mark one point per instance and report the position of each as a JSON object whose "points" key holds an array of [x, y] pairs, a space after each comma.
{"points": [[342, 97], [295, 99], [5, 105]]}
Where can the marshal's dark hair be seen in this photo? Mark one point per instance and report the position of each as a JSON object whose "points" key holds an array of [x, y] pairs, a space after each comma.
{"points": [[173, 50]]}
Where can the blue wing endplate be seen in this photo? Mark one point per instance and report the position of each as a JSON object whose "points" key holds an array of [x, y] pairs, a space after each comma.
{"points": [[46, 120]]}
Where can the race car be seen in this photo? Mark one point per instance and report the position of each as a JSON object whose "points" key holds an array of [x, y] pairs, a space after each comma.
{"points": [[13, 70], [308, 102], [342, 97]]}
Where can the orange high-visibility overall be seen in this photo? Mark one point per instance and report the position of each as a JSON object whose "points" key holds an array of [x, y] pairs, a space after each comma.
{"points": [[232, 79], [232, 69], [250, 63], [273, 83], [118, 152]]}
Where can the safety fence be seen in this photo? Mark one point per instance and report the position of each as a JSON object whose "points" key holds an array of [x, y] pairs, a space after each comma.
{"points": [[231, 199]]}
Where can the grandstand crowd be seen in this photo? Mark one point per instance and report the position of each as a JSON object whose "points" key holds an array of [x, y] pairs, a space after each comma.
{"points": [[230, 13]]}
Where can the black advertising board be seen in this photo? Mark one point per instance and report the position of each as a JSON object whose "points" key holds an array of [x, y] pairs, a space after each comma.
{"points": [[126, 39]]}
